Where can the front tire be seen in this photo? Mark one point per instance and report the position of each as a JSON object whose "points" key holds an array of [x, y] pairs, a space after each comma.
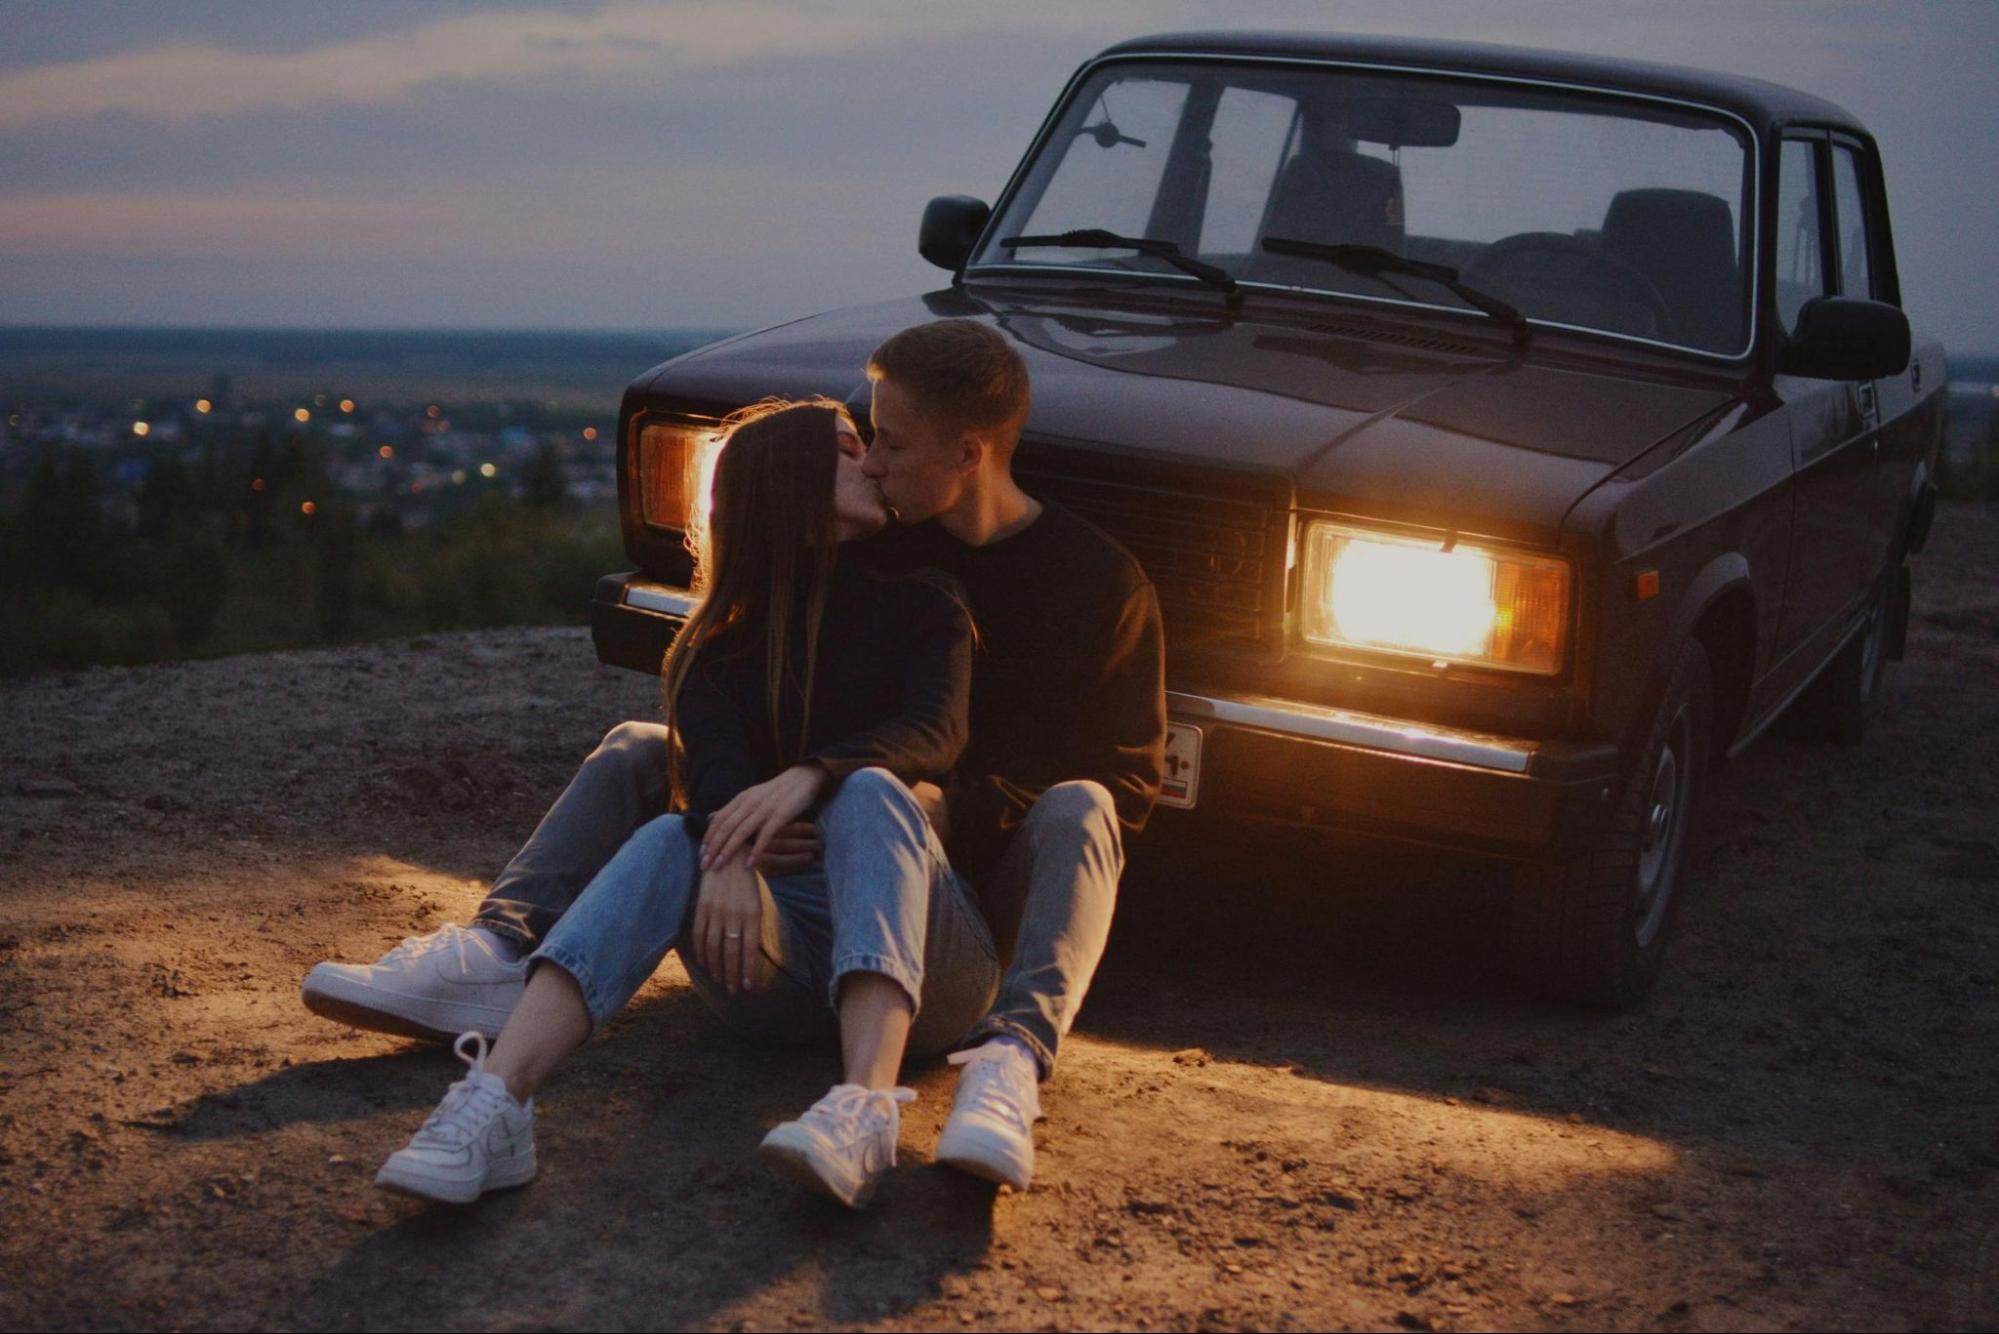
{"points": [[1591, 928]]}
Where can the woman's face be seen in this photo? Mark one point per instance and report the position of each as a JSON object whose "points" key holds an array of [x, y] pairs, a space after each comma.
{"points": [[858, 510]]}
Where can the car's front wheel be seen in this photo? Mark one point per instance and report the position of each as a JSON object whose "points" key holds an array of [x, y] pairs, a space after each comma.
{"points": [[1591, 928]]}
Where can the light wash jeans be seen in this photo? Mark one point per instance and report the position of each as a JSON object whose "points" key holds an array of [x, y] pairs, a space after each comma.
{"points": [[884, 900], [1048, 902]]}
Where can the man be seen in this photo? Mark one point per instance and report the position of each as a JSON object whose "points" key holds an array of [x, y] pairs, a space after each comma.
{"points": [[1068, 727]]}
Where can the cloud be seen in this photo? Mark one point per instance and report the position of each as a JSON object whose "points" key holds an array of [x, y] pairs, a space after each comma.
{"points": [[629, 41]]}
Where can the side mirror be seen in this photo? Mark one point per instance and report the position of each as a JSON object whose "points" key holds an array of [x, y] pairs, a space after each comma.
{"points": [[951, 225], [1845, 338]]}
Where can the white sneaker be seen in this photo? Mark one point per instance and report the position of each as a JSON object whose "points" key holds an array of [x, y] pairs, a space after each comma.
{"points": [[991, 1130], [843, 1144], [454, 980], [478, 1139]]}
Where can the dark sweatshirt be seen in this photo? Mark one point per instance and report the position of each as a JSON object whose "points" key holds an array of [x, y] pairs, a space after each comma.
{"points": [[890, 689], [1068, 678]]}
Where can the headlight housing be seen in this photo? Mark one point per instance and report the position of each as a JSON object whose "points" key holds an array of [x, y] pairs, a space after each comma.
{"points": [[676, 475], [1410, 596]]}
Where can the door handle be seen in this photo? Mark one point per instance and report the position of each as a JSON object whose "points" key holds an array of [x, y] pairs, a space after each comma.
{"points": [[1864, 392]]}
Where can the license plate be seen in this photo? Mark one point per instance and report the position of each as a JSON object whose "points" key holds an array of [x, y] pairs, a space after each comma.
{"points": [[1183, 767]]}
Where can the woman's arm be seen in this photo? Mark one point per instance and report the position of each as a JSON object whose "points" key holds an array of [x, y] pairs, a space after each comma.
{"points": [[714, 736]]}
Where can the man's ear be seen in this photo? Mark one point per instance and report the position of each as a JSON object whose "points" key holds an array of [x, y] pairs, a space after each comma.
{"points": [[971, 451]]}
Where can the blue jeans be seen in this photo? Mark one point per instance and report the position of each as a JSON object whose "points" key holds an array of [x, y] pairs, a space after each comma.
{"points": [[884, 899]]}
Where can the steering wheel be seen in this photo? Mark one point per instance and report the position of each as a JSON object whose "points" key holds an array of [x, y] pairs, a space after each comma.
{"points": [[1523, 251]]}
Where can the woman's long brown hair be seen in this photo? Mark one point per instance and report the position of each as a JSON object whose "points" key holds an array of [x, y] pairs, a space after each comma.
{"points": [[771, 527]]}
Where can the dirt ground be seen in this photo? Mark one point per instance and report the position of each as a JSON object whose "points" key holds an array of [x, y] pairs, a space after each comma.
{"points": [[1302, 1094]]}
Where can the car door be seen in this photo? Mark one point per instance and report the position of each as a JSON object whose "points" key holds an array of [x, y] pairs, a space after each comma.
{"points": [[1834, 545], [1866, 270]]}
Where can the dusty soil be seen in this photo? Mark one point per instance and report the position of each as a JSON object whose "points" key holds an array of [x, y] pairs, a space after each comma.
{"points": [[1302, 1094]]}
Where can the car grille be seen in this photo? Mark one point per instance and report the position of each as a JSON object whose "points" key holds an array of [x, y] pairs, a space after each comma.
{"points": [[1213, 543]]}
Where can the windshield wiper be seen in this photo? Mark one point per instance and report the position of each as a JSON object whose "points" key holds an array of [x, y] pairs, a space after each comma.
{"points": [[1372, 261], [1096, 238]]}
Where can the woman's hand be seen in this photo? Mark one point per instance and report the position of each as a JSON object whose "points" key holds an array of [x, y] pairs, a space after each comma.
{"points": [[728, 927], [759, 814]]}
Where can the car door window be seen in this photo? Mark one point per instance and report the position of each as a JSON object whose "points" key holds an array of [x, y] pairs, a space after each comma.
{"points": [[1850, 208], [1800, 251]]}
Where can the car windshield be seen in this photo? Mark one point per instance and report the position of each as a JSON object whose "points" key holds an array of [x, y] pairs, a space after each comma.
{"points": [[1581, 209]]}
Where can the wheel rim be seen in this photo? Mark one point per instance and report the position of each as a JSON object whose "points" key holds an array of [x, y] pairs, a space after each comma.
{"points": [[1664, 817]]}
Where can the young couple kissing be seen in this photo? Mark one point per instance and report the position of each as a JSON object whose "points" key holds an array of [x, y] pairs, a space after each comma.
{"points": [[908, 727]]}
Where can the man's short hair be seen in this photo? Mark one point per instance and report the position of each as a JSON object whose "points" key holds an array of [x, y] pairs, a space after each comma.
{"points": [[959, 371]]}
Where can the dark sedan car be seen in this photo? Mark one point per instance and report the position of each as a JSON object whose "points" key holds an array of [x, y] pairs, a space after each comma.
{"points": [[1512, 437]]}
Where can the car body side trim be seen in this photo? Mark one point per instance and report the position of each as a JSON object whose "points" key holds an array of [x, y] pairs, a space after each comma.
{"points": [[1395, 735]]}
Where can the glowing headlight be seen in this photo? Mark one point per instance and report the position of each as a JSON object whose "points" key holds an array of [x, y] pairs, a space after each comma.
{"points": [[1408, 595], [676, 475]]}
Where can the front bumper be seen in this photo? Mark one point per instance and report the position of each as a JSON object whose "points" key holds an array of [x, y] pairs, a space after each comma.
{"points": [[1279, 760]]}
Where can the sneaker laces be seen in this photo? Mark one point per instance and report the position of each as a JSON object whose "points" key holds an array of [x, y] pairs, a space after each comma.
{"points": [[470, 1104], [450, 936], [996, 1081], [850, 1110]]}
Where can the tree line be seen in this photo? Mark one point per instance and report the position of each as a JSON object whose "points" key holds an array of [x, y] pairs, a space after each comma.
{"points": [[247, 545]]}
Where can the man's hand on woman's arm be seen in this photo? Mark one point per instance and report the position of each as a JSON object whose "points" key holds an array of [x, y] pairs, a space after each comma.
{"points": [[759, 815]]}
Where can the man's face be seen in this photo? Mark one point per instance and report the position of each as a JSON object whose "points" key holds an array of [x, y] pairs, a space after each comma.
{"points": [[922, 468]]}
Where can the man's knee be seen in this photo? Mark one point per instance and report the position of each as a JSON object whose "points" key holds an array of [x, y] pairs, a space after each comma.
{"points": [[1079, 805], [635, 742]]}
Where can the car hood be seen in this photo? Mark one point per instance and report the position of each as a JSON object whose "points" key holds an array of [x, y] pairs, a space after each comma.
{"points": [[1369, 415]]}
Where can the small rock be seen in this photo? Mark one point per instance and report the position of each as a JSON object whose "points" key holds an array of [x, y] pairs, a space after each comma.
{"points": [[1049, 1293], [48, 787], [1562, 1299], [1191, 1056], [955, 1287]]}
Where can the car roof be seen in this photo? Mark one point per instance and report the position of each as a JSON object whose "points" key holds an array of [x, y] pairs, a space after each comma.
{"points": [[1761, 103]]}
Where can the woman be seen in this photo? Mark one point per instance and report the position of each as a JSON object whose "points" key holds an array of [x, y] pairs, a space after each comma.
{"points": [[803, 682]]}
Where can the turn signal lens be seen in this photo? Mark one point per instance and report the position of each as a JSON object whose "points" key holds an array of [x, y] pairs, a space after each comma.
{"points": [[1410, 596], [676, 475]]}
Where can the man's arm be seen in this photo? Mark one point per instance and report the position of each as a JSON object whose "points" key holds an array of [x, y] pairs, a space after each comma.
{"points": [[1132, 709]]}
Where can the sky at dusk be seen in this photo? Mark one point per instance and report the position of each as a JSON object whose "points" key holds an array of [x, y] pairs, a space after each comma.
{"points": [[729, 163]]}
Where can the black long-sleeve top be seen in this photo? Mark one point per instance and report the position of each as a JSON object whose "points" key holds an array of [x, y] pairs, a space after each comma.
{"points": [[890, 688], [1068, 681]]}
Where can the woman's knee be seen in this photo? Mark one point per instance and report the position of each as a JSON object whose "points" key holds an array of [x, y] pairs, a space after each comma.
{"points": [[866, 792], [664, 836]]}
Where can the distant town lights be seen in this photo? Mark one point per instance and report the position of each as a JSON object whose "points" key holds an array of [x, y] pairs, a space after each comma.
{"points": [[387, 451], [307, 507], [433, 412], [301, 414], [203, 405], [589, 433], [488, 470], [458, 476], [142, 428], [347, 405], [257, 484]]}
